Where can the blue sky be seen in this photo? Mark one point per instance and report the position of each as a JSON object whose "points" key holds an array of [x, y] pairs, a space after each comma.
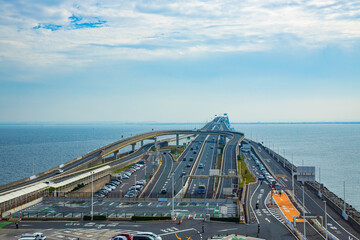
{"points": [[179, 61]]}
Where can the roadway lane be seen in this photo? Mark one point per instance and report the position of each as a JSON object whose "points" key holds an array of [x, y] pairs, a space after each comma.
{"points": [[207, 159], [229, 163], [313, 204], [163, 175], [266, 216]]}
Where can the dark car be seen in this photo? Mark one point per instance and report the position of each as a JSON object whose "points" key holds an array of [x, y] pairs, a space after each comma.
{"points": [[163, 191], [188, 165]]}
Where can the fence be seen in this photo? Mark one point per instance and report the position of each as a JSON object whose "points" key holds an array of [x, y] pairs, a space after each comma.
{"points": [[110, 214]]}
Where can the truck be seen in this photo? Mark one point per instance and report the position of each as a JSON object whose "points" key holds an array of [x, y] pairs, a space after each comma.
{"points": [[201, 188]]}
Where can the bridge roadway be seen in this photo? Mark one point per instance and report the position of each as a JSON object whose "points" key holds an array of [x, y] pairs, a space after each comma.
{"points": [[313, 204], [180, 168], [108, 149]]}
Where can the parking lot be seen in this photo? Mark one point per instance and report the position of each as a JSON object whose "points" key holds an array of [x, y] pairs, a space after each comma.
{"points": [[119, 208]]}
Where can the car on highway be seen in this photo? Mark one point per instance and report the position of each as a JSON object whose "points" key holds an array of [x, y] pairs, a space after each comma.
{"points": [[141, 162], [183, 173], [163, 191], [191, 159], [152, 235], [188, 165], [59, 171], [194, 152], [184, 159], [201, 188], [201, 165]]}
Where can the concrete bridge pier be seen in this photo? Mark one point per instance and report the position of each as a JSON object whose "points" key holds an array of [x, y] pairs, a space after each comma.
{"points": [[133, 147], [177, 141], [115, 154], [142, 142]]}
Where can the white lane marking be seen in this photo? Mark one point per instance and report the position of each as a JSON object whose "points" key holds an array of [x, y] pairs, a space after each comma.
{"points": [[229, 229], [184, 230], [267, 219]]}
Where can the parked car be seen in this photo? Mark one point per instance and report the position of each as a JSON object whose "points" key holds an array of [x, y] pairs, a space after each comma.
{"points": [[118, 238], [126, 235], [153, 235], [124, 176], [40, 235], [142, 237]]}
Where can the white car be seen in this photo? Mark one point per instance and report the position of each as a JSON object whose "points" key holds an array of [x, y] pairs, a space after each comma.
{"points": [[40, 235], [153, 235]]}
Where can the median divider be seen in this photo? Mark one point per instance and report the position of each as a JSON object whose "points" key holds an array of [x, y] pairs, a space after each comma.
{"points": [[151, 180]]}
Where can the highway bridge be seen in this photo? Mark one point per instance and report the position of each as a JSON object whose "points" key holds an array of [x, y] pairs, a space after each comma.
{"points": [[210, 158]]}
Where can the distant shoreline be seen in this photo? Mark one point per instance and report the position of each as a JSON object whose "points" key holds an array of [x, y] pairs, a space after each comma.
{"points": [[163, 123]]}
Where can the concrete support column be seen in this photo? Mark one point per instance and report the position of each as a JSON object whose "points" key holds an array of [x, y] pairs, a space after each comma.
{"points": [[177, 141], [133, 147], [115, 154], [142, 142]]}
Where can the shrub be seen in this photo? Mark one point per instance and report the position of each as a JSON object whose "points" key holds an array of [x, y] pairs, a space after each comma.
{"points": [[95, 218]]}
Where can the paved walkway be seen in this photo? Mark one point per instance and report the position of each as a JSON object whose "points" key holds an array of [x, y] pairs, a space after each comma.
{"points": [[286, 207]]}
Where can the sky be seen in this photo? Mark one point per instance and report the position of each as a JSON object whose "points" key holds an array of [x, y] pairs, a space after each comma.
{"points": [[179, 61]]}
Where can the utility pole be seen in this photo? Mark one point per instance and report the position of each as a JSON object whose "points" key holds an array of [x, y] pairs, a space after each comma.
{"points": [[292, 175], [304, 210], [344, 199], [326, 221], [172, 200], [92, 195]]}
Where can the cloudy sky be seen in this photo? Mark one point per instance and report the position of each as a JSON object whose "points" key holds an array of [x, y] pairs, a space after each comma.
{"points": [[179, 61]]}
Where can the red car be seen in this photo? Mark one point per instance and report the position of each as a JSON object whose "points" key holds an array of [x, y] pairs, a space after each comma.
{"points": [[127, 235]]}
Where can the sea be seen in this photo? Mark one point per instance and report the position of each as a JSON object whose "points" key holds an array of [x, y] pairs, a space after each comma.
{"points": [[333, 148]]}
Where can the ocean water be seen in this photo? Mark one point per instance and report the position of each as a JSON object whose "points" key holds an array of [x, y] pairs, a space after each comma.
{"points": [[334, 148], [29, 148]]}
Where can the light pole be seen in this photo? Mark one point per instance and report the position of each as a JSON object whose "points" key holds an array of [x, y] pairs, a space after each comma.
{"points": [[304, 210], [325, 218], [172, 200], [134, 186], [92, 195], [292, 176]]}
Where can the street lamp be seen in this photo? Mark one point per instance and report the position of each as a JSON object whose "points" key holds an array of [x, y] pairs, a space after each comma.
{"points": [[325, 218], [92, 195], [304, 210], [172, 200]]}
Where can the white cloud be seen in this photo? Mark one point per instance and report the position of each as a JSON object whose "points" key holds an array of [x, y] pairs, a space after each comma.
{"points": [[147, 29]]}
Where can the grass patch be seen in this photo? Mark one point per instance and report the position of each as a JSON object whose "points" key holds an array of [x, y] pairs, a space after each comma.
{"points": [[173, 150], [149, 218], [245, 173], [95, 218], [122, 169], [3, 224], [218, 166]]}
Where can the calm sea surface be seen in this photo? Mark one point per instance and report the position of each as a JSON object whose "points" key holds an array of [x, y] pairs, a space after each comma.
{"points": [[335, 148]]}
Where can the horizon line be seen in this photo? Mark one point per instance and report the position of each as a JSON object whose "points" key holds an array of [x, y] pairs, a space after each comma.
{"points": [[155, 122]]}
